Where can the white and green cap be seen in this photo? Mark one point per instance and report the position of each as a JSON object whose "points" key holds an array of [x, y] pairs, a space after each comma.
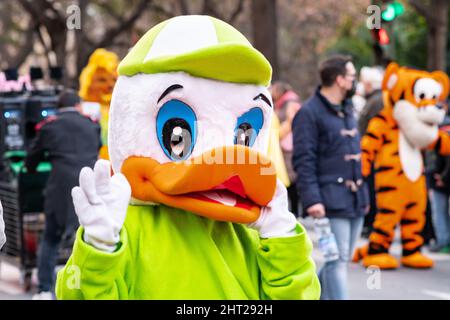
{"points": [[202, 46]]}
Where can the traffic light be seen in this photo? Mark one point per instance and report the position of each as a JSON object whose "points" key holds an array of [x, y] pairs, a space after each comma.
{"points": [[381, 36], [392, 11]]}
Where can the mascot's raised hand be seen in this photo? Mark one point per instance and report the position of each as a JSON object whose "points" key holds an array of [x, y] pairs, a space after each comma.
{"points": [[101, 203]]}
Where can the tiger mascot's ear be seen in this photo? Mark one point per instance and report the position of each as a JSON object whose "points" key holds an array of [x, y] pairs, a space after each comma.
{"points": [[442, 78], [391, 79]]}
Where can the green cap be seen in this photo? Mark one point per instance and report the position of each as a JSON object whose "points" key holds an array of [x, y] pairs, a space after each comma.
{"points": [[202, 46]]}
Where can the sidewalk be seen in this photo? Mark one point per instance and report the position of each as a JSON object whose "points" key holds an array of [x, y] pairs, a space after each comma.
{"points": [[10, 283]]}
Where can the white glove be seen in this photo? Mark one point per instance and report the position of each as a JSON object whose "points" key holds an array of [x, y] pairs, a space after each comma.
{"points": [[101, 203], [2, 227], [275, 220]]}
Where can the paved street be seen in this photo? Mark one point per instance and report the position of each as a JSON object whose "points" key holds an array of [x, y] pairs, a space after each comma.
{"points": [[399, 284], [10, 286], [403, 283]]}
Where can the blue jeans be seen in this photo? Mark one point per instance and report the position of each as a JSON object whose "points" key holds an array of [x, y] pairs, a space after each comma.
{"points": [[440, 216], [333, 274], [48, 256], [47, 259]]}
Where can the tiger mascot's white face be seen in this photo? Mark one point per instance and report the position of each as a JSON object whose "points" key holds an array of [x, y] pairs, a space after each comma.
{"points": [[417, 98]]}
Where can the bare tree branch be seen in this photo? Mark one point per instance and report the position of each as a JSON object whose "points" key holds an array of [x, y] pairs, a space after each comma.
{"points": [[121, 43], [37, 10], [49, 5], [27, 48], [124, 25], [32, 10], [109, 9], [420, 7], [209, 9], [14, 50], [15, 59], [237, 11], [183, 7], [160, 9], [46, 49], [54, 24]]}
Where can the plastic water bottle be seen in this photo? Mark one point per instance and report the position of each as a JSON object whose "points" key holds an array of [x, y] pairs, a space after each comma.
{"points": [[327, 240]]}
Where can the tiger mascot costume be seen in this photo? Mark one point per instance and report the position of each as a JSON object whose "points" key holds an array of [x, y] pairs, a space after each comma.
{"points": [[413, 108]]}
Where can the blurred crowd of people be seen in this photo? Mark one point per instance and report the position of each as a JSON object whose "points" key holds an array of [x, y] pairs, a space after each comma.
{"points": [[314, 136]]}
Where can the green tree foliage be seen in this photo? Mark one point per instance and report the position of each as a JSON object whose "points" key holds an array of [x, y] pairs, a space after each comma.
{"points": [[408, 34], [356, 42]]}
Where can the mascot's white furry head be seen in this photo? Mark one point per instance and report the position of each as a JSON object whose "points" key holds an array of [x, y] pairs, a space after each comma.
{"points": [[416, 98], [190, 117]]}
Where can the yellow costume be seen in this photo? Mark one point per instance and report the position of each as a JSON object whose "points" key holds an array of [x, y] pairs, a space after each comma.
{"points": [[97, 81], [275, 153]]}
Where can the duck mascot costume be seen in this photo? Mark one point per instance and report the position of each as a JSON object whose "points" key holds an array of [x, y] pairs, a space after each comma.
{"points": [[414, 103], [193, 209], [97, 81]]}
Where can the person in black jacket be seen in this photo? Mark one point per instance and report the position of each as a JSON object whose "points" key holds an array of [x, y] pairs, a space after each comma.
{"points": [[327, 161], [438, 180], [70, 142], [374, 104]]}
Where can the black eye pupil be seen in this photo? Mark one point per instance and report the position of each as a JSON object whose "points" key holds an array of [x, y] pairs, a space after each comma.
{"points": [[177, 137], [422, 96], [244, 134]]}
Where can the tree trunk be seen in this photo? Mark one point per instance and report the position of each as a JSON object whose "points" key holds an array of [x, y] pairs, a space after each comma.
{"points": [[436, 15], [59, 47], [265, 26], [437, 35], [81, 47]]}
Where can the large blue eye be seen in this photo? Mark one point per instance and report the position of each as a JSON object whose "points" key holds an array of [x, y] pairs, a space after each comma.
{"points": [[176, 129], [248, 126]]}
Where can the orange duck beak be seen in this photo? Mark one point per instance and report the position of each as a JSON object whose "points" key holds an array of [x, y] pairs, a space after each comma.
{"points": [[226, 184]]}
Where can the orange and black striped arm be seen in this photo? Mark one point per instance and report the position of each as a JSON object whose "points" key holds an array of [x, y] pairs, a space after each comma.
{"points": [[371, 142]]}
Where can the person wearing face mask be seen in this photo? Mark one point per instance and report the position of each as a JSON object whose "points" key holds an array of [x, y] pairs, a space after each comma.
{"points": [[326, 158], [370, 80]]}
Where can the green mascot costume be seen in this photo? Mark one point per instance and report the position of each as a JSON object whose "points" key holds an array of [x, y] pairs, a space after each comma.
{"points": [[193, 209]]}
